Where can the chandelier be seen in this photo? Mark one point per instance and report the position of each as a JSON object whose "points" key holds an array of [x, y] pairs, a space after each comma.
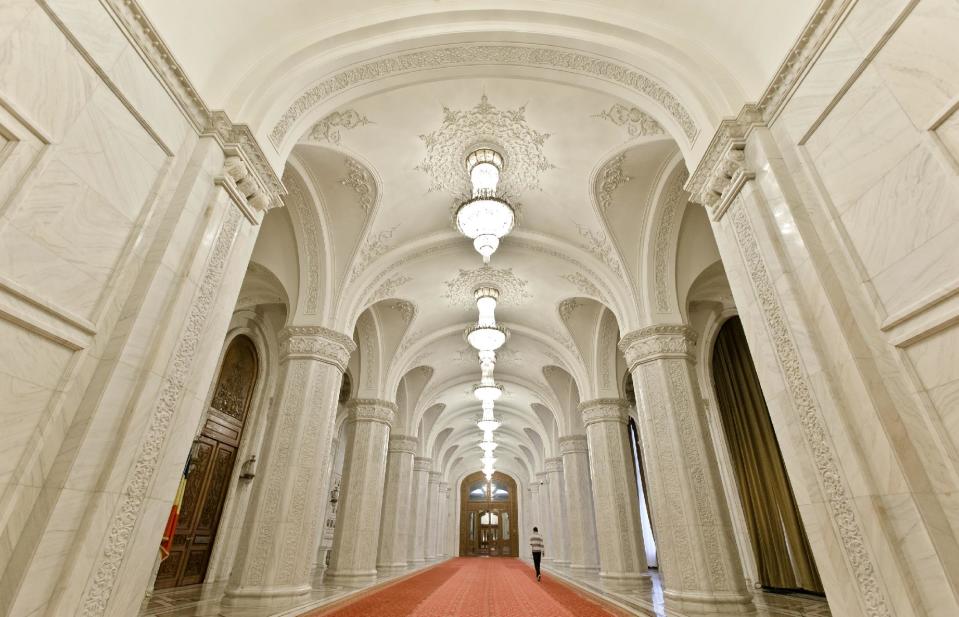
{"points": [[485, 218]]}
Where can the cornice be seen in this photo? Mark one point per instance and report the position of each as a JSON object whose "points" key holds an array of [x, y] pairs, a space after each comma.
{"points": [[235, 139], [721, 171], [658, 342]]}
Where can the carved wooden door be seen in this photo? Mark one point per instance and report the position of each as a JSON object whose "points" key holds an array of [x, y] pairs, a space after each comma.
{"points": [[211, 468]]}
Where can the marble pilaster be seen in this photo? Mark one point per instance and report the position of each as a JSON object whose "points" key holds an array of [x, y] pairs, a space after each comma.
{"points": [[444, 506], [583, 553], [419, 509], [361, 490], [698, 558], [545, 516], [273, 568], [558, 503], [432, 514], [395, 524], [615, 498], [532, 515]]}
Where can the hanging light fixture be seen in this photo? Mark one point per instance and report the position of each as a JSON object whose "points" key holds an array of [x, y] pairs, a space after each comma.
{"points": [[485, 218], [486, 337]]}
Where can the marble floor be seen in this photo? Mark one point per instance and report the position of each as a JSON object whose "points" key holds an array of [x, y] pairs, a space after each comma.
{"points": [[650, 603], [204, 600]]}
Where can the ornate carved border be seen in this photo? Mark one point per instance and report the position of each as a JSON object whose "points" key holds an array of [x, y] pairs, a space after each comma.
{"points": [[474, 54]]}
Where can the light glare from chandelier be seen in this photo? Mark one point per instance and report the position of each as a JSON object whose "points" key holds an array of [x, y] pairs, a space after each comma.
{"points": [[485, 218]]}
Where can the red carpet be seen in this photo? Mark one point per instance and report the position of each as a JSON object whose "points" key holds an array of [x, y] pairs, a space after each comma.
{"points": [[473, 587]]}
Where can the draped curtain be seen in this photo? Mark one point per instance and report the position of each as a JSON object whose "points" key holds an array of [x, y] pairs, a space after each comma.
{"points": [[784, 559]]}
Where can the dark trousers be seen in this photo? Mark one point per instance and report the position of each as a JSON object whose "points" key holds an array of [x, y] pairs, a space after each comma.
{"points": [[536, 558]]}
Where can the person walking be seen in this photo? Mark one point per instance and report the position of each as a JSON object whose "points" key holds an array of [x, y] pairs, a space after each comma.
{"points": [[536, 544]]}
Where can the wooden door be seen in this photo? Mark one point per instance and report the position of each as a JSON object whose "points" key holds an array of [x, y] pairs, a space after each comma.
{"points": [[488, 516], [213, 458]]}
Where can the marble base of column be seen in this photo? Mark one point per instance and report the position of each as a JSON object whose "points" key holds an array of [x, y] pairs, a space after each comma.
{"points": [[254, 601], [692, 603]]}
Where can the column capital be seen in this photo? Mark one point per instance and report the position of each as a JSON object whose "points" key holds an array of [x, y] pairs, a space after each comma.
{"points": [[554, 465], [435, 477], [534, 487], [403, 443], [604, 410], [422, 463], [444, 487], [317, 343], [541, 476], [371, 410], [572, 444], [656, 342]]}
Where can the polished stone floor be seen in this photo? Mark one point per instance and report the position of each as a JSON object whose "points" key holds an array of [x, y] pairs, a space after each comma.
{"points": [[203, 600]]}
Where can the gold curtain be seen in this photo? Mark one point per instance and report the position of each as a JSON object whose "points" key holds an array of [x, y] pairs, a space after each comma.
{"points": [[779, 541]]}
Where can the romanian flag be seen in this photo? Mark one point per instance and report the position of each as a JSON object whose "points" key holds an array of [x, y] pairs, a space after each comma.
{"points": [[167, 543]]}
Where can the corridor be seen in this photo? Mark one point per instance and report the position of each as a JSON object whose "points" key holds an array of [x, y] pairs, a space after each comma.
{"points": [[473, 587]]}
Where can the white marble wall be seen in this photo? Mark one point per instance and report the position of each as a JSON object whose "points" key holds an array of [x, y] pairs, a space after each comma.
{"points": [[841, 254]]}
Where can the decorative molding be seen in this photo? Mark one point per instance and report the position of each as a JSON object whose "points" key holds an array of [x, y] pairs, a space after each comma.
{"points": [[662, 256], [405, 308], [506, 130], [422, 463], [359, 180], [512, 289], [712, 176], [553, 465], [637, 122], [305, 215], [610, 178], [376, 246], [371, 410], [387, 288], [106, 567], [573, 444], [583, 285], [328, 129], [477, 54], [657, 342], [837, 493], [316, 342], [604, 410], [21, 306], [236, 139]]}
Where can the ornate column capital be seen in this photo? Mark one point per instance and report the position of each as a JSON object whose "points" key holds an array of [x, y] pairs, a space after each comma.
{"points": [[403, 443], [656, 342], [317, 343], [435, 477], [422, 463], [604, 410], [554, 465], [444, 487], [534, 487], [572, 444], [541, 476], [371, 410]]}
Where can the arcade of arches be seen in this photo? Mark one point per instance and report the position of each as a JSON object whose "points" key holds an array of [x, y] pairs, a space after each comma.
{"points": [[233, 298]]}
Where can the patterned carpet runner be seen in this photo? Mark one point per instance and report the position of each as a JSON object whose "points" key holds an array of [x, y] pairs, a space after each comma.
{"points": [[473, 587]]}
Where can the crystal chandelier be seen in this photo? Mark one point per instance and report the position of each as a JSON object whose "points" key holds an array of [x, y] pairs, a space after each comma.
{"points": [[485, 218]]}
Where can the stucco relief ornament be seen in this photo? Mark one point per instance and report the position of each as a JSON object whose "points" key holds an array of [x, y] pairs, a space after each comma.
{"points": [[388, 288], [609, 179], [512, 289], [376, 245], [328, 129], [583, 285], [637, 122], [463, 131], [359, 180], [597, 244]]}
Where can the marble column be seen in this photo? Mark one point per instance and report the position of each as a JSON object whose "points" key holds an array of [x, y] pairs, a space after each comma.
{"points": [[557, 500], [361, 490], [433, 514], [545, 517], [444, 501], [419, 509], [583, 553], [395, 519], [622, 557], [698, 559], [289, 500], [532, 517]]}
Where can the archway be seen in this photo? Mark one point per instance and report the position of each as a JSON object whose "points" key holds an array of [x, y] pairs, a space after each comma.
{"points": [[783, 557], [209, 469], [488, 522]]}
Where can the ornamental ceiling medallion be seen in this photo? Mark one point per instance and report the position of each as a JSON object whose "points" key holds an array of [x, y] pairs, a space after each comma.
{"points": [[463, 131], [512, 289]]}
